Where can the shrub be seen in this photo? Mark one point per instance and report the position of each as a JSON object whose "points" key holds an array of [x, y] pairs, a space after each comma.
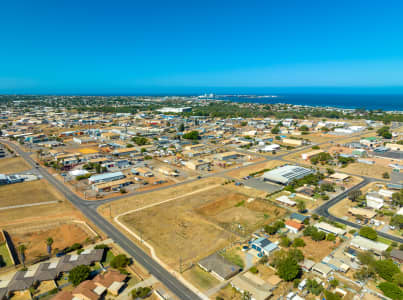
{"points": [[368, 233], [254, 270], [79, 274], [391, 290], [120, 261], [141, 292]]}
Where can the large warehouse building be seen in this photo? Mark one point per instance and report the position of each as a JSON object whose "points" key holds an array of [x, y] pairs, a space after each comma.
{"points": [[286, 174]]}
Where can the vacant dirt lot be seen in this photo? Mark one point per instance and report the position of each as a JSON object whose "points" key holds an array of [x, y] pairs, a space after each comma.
{"points": [[63, 236], [191, 227], [13, 165], [316, 251], [375, 170], [245, 171], [138, 201], [238, 213], [28, 192]]}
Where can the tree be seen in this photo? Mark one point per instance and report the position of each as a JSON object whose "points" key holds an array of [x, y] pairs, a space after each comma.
{"points": [[181, 127], [275, 130], [365, 273], [303, 128], [49, 243], [288, 269], [141, 292], [318, 236], [296, 254], [384, 132], [314, 287], [21, 249], [354, 195], [368, 233], [285, 241], [397, 198], [246, 295], [298, 242], [301, 206], [385, 175], [192, 135], [386, 268], [398, 279], [79, 274], [120, 261], [334, 283], [366, 258], [331, 296], [391, 290], [397, 220], [331, 237]]}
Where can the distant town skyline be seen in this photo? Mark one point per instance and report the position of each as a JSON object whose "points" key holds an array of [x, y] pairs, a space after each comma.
{"points": [[135, 47]]}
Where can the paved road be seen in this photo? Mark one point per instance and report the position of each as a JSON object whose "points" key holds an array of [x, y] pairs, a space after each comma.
{"points": [[324, 210], [89, 208], [171, 282]]}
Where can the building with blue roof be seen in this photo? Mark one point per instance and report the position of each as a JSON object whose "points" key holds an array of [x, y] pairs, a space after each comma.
{"points": [[264, 246]]}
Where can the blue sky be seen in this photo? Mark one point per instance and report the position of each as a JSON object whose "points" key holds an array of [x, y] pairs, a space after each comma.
{"points": [[195, 46]]}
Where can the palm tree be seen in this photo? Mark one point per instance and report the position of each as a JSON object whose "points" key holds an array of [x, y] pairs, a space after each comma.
{"points": [[49, 242], [21, 249]]}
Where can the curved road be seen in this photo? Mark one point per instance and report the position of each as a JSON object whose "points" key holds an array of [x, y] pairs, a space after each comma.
{"points": [[89, 209], [324, 210]]}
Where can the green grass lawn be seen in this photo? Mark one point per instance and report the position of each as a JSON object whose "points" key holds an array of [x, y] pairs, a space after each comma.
{"points": [[200, 278], [232, 256], [5, 257], [109, 257]]}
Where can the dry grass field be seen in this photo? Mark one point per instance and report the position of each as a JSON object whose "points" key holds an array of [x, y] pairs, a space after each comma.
{"points": [[245, 171], [64, 235], [138, 201], [374, 170], [13, 165], [191, 227], [316, 251], [200, 278], [28, 192]]}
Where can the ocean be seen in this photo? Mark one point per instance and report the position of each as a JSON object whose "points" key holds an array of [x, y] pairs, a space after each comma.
{"points": [[385, 102]]}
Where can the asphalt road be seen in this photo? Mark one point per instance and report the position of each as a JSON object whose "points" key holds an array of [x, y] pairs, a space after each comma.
{"points": [[171, 282], [324, 210], [89, 209]]}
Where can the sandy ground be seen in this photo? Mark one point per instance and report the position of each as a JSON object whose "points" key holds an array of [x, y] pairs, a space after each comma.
{"points": [[28, 192], [13, 165], [316, 251], [194, 226], [64, 236], [137, 201]]}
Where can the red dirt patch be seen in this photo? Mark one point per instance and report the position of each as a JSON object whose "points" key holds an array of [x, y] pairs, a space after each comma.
{"points": [[63, 236]]}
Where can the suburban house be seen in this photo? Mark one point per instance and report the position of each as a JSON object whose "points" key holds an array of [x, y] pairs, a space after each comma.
{"points": [[326, 227], [219, 266], [364, 244], [294, 226], [264, 246], [397, 255], [259, 289], [322, 269], [374, 201]]}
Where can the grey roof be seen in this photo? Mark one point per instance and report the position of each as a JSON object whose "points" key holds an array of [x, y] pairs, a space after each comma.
{"points": [[395, 253], [20, 281], [3, 293], [286, 174], [46, 271], [219, 265]]}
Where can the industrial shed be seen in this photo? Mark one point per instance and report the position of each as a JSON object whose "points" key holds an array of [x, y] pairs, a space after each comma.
{"points": [[286, 174]]}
